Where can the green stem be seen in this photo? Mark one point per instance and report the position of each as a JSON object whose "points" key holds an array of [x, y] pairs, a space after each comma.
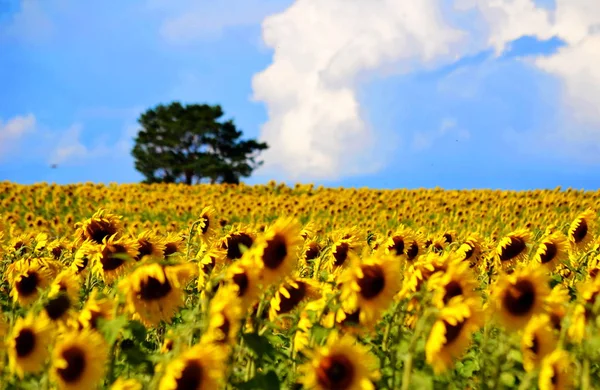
{"points": [[189, 240], [408, 361], [585, 375]]}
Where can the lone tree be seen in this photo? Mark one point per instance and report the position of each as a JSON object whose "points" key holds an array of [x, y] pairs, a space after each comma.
{"points": [[189, 144]]}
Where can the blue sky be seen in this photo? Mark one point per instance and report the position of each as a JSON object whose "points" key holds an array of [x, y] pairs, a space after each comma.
{"points": [[455, 94]]}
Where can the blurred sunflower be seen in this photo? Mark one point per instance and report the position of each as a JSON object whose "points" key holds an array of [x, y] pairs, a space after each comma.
{"points": [[207, 223], [538, 340], [199, 368], [150, 244], [450, 335], [81, 261], [471, 250], [291, 294], [457, 281], [512, 249], [552, 251], [78, 360], [232, 242], [342, 364], [26, 280], [95, 307], [580, 231], [155, 292], [100, 226], [244, 275], [556, 372], [28, 345], [114, 257], [517, 297], [224, 316]]}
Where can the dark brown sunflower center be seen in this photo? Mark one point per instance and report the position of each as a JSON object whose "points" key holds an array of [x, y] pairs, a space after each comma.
{"points": [[313, 251], [57, 306], [275, 252], [453, 289], [27, 285], [98, 230], [83, 264], [580, 231], [170, 248], [335, 372], [519, 299], [153, 289], [233, 244], [398, 245], [208, 267], [225, 327], [94, 317], [469, 252], [448, 238], [352, 318], [205, 224], [535, 345], [413, 251], [146, 248], [514, 248], [76, 363], [554, 378], [340, 254], [373, 281], [191, 376], [25, 342], [297, 294], [56, 252], [113, 256], [550, 253], [556, 321], [242, 282], [453, 331]]}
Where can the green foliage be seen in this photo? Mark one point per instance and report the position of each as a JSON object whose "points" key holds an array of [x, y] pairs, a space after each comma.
{"points": [[189, 144]]}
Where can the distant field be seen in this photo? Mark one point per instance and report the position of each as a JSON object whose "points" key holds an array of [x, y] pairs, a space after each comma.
{"points": [[256, 287]]}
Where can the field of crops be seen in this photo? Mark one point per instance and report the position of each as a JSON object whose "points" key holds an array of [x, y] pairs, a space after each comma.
{"points": [[267, 287]]}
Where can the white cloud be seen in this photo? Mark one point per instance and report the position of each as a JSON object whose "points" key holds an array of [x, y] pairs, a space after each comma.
{"points": [[13, 130], [30, 23], [316, 128]]}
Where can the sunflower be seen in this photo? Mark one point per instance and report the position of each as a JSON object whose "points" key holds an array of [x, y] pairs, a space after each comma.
{"points": [[114, 257], [341, 250], [58, 248], [78, 360], [397, 243], [556, 371], [291, 294], [552, 251], [538, 340], [150, 245], [225, 315], [580, 232], [342, 364], [100, 226], [583, 313], [519, 296], [414, 247], [450, 335], [457, 281], [512, 248], [277, 250], [126, 384], [95, 307], [556, 305], [26, 281], [66, 282], [59, 308], [207, 223], [199, 368], [28, 345], [155, 292], [233, 241], [472, 250], [81, 261], [210, 261], [244, 275], [174, 244], [371, 285], [312, 251]]}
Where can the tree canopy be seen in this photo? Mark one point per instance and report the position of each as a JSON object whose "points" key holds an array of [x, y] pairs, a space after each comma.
{"points": [[191, 144]]}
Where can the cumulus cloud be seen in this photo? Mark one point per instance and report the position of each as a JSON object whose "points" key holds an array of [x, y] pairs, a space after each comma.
{"points": [[316, 127], [13, 130]]}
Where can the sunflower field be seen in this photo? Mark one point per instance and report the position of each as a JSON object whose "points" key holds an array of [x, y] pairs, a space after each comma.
{"points": [[274, 287]]}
